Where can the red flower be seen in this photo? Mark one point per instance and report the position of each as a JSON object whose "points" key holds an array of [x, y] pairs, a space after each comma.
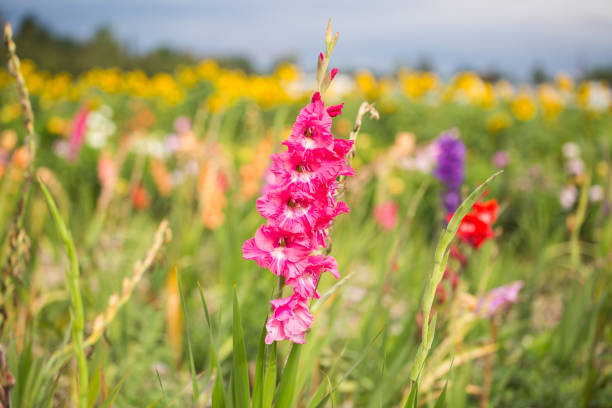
{"points": [[475, 227]]}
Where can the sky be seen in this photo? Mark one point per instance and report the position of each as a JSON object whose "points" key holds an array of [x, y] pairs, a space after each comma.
{"points": [[509, 36]]}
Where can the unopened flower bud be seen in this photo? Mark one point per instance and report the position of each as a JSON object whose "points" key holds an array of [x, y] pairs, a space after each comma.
{"points": [[333, 73]]}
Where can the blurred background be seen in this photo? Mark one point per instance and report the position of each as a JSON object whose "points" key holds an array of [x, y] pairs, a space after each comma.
{"points": [[520, 40], [155, 115]]}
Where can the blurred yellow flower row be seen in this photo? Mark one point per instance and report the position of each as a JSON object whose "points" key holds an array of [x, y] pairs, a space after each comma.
{"points": [[287, 84]]}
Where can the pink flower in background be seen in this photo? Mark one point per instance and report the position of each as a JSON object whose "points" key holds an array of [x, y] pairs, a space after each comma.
{"points": [[499, 299], [501, 159], [107, 170], [77, 135], [575, 166], [299, 203], [182, 124], [290, 320], [424, 159], [385, 215]]}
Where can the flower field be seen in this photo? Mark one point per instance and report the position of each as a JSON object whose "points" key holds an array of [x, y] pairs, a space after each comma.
{"points": [[165, 239]]}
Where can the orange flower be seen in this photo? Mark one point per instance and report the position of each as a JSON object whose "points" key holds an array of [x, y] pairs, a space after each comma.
{"points": [[21, 158], [252, 173], [140, 198], [8, 140], [162, 178], [211, 191]]}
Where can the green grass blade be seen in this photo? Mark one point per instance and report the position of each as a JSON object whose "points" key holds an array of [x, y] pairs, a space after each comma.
{"points": [[441, 402], [94, 387], [413, 397], [218, 394], [286, 388], [258, 381], [239, 360], [320, 392], [113, 394], [76, 311], [363, 355], [194, 380], [270, 382]]}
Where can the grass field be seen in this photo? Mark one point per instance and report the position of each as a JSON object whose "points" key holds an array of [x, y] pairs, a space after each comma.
{"points": [[156, 179]]}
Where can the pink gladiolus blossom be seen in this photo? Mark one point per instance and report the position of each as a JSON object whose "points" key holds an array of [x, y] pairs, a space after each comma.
{"points": [[77, 136], [285, 254], [289, 321], [385, 215], [335, 110], [299, 203]]}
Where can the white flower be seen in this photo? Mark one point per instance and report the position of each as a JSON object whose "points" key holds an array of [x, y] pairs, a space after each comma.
{"points": [[575, 166], [596, 193], [568, 196], [571, 150]]}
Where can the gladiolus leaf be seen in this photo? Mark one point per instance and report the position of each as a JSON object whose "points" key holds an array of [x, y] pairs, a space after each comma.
{"points": [[239, 360], [218, 395], [194, 380], [258, 381], [286, 388]]}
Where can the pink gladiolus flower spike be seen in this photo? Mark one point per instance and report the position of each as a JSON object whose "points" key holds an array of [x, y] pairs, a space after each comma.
{"points": [[299, 203]]}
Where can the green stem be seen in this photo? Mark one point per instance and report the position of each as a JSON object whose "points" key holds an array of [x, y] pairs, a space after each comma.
{"points": [[440, 260]]}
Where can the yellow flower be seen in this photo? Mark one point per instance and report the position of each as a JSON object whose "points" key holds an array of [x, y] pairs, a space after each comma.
{"points": [[9, 112], [469, 88], [58, 126], [595, 96], [564, 82], [416, 84], [503, 89], [166, 87], [208, 69], [602, 169], [523, 106], [5, 78], [550, 100], [287, 73], [395, 185], [498, 121], [136, 83], [367, 84], [214, 103], [187, 77]]}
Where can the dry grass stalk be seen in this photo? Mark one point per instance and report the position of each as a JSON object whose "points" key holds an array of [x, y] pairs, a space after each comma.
{"points": [[19, 242], [118, 299], [7, 381]]}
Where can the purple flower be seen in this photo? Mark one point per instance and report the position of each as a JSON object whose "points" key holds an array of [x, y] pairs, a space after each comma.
{"points": [[499, 298], [451, 199], [450, 169]]}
